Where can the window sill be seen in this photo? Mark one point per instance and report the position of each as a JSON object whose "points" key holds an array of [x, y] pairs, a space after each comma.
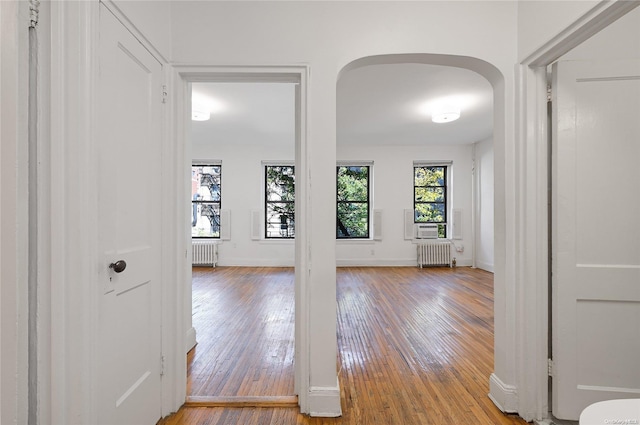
{"points": [[283, 241], [355, 241], [438, 240]]}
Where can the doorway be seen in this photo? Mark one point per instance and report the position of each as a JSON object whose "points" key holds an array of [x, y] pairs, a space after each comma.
{"points": [[479, 217], [295, 76], [242, 144]]}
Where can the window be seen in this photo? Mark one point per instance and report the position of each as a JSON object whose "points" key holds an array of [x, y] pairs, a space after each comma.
{"points": [[205, 200], [352, 213], [279, 201], [430, 196]]}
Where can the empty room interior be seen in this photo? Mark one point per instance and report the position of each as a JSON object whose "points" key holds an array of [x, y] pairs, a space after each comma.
{"points": [[319, 212], [414, 241]]}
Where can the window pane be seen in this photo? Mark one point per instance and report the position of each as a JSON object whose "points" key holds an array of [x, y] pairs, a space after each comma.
{"points": [[442, 230], [429, 176], [353, 220], [279, 201], [430, 213], [280, 220], [280, 183], [429, 194], [206, 197], [206, 183], [205, 222], [353, 184]]}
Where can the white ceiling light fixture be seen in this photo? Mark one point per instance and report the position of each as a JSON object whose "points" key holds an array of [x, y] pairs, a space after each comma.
{"points": [[202, 106], [445, 114], [200, 114]]}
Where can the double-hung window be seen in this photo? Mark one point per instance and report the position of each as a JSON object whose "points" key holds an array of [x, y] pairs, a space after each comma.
{"points": [[279, 198], [430, 194], [352, 202], [206, 198]]}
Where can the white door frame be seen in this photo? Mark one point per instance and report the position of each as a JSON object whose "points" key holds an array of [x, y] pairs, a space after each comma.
{"points": [[183, 76], [532, 292]]}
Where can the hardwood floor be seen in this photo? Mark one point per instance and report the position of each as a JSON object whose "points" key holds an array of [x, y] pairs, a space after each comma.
{"points": [[244, 319], [415, 347]]}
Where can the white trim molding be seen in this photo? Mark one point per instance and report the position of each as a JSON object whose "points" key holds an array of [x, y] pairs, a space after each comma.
{"points": [[376, 262], [325, 401], [504, 396], [72, 301], [190, 339], [185, 74]]}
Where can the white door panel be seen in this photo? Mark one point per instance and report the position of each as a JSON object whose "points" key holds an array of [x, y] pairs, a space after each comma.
{"points": [[129, 323], [596, 234]]}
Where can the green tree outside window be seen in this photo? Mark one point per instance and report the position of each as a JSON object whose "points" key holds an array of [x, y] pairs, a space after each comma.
{"points": [[353, 209], [430, 196]]}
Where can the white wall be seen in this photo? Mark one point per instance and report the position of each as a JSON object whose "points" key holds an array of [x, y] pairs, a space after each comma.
{"points": [[327, 36], [484, 204], [393, 193], [392, 184], [539, 21], [242, 192], [620, 40]]}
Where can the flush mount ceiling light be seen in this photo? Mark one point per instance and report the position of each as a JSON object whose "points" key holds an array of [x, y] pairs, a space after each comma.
{"points": [[200, 114], [445, 114], [202, 106]]}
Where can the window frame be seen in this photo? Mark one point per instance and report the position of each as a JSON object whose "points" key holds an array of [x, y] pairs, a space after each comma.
{"points": [[194, 203], [266, 166], [369, 167], [443, 226]]}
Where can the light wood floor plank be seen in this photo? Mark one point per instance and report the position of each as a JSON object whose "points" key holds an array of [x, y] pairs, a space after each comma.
{"points": [[415, 346]]}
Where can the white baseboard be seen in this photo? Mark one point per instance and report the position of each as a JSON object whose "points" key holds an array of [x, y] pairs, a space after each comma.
{"points": [[504, 396], [252, 262], [463, 262], [325, 401], [190, 339], [554, 421], [340, 262], [382, 262], [375, 262], [485, 266]]}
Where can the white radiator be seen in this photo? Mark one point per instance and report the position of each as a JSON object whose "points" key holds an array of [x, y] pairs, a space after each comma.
{"points": [[204, 253], [434, 254]]}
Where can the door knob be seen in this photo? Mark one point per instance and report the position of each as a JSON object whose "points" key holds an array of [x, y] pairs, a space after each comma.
{"points": [[118, 266]]}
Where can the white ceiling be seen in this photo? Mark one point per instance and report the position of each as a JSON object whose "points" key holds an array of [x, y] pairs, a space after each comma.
{"points": [[245, 114], [391, 104], [376, 105]]}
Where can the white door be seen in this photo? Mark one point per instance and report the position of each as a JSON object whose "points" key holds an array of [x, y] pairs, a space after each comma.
{"points": [[128, 355], [596, 234]]}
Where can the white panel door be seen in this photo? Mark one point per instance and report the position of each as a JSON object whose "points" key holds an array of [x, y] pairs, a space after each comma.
{"points": [[596, 234], [129, 327]]}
